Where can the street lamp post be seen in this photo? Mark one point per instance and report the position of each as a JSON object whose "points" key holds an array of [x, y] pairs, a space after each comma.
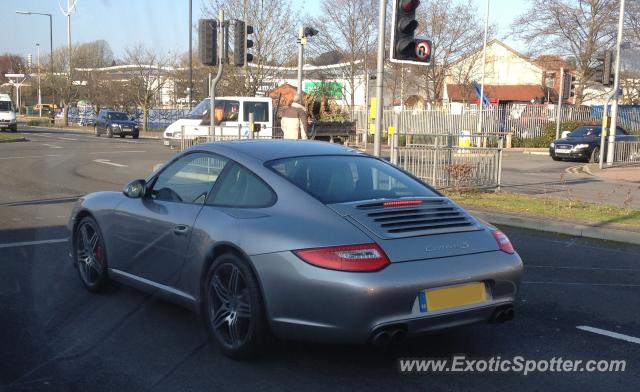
{"points": [[39, 90], [50, 39], [616, 87]]}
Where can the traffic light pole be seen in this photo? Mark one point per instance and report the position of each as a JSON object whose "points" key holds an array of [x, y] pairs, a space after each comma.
{"points": [[616, 86], [379, 78], [301, 43], [214, 83], [560, 98]]}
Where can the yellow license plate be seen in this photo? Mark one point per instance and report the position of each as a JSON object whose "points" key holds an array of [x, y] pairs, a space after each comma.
{"points": [[452, 296]]}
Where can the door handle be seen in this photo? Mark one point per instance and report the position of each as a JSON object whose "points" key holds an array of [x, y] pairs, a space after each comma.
{"points": [[181, 229]]}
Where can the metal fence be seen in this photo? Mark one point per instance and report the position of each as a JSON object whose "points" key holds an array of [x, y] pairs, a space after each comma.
{"points": [[217, 135], [452, 167], [524, 121], [626, 153], [158, 118]]}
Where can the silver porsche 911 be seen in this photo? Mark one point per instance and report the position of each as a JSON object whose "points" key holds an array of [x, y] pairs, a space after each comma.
{"points": [[299, 239]]}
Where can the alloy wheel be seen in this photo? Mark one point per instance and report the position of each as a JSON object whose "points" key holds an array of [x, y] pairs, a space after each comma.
{"points": [[90, 254], [230, 306]]}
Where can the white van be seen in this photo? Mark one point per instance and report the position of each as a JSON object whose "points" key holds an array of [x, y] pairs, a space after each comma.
{"points": [[7, 113], [232, 117]]}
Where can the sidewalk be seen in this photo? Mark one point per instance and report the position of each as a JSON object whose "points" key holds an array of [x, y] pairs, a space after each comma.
{"points": [[630, 173]]}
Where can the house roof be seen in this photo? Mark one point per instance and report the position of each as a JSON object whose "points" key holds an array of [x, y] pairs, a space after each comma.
{"points": [[518, 93], [552, 62]]}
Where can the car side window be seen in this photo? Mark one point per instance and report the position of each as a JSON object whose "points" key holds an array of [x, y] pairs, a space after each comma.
{"points": [[260, 111], [242, 189], [189, 179]]}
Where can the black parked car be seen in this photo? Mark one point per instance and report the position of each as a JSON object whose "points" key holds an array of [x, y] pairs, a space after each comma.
{"points": [[583, 143], [113, 123]]}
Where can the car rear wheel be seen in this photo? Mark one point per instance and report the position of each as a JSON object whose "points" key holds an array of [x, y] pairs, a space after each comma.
{"points": [[234, 313], [90, 254], [595, 155]]}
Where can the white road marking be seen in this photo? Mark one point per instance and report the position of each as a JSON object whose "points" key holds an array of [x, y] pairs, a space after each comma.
{"points": [[114, 152], [32, 156], [585, 284], [51, 145], [53, 137], [108, 162], [28, 243], [610, 334]]}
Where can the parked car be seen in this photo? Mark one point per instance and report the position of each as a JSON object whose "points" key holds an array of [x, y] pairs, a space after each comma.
{"points": [[231, 119], [113, 123], [302, 239], [583, 143], [7, 113]]}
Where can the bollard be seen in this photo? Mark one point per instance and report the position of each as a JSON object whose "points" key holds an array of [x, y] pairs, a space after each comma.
{"points": [[251, 126], [509, 139], [239, 131]]}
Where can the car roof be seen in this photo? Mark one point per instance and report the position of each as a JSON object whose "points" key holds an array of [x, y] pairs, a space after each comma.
{"points": [[267, 150]]}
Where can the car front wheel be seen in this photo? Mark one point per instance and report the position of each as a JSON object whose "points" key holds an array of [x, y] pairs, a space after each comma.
{"points": [[595, 155], [234, 314], [90, 255], [109, 132]]}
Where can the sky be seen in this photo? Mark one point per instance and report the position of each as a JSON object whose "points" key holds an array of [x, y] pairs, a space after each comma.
{"points": [[162, 24]]}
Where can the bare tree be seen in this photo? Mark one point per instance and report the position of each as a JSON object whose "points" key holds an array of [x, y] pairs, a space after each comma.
{"points": [[89, 60], [349, 28], [274, 38], [455, 29], [575, 28], [61, 84], [146, 79]]}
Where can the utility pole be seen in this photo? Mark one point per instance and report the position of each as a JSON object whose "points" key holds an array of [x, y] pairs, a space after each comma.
{"points": [[190, 54], [382, 5], [616, 87], [484, 66], [39, 90], [560, 98]]}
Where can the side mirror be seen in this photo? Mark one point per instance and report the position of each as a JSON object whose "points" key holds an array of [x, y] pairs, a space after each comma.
{"points": [[135, 189]]}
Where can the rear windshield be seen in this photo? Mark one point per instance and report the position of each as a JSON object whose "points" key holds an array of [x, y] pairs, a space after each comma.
{"points": [[342, 179]]}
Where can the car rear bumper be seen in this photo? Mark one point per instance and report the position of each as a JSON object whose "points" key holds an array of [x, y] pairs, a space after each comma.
{"points": [[311, 303]]}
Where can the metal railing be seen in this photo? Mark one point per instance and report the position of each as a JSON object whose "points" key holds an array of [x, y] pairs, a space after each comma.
{"points": [[523, 120], [217, 134], [626, 152]]}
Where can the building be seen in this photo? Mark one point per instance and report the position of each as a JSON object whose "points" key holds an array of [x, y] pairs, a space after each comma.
{"points": [[510, 77]]}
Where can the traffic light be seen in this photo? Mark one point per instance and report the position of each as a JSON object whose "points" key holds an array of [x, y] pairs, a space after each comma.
{"points": [[241, 43], [603, 68], [566, 85], [208, 41], [405, 46]]}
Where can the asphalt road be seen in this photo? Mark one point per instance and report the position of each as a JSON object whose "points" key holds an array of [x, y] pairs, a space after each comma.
{"points": [[56, 336], [542, 176]]}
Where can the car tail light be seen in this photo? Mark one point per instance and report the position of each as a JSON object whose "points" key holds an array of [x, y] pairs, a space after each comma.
{"points": [[357, 258], [503, 242], [401, 203]]}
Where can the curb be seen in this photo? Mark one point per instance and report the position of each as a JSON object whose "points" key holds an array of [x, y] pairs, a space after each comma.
{"points": [[573, 229], [21, 139]]}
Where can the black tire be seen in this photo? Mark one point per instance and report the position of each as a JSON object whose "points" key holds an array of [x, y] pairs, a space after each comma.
{"points": [[109, 132], [14, 128], [96, 132], [238, 325], [595, 155], [555, 158], [122, 135], [90, 254], [136, 135]]}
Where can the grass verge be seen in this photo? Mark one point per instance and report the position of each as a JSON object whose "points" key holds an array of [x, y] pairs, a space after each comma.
{"points": [[8, 136], [571, 210]]}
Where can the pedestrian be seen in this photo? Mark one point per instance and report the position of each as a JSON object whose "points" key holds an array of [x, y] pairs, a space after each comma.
{"points": [[294, 122]]}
